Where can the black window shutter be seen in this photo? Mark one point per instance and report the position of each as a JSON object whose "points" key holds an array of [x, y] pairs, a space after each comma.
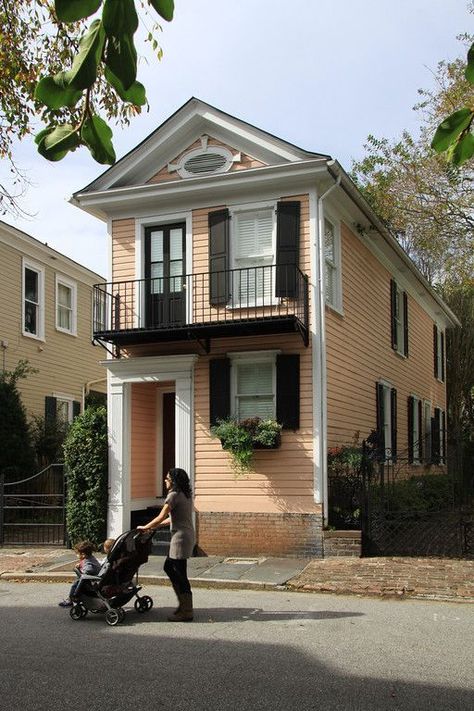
{"points": [[76, 409], [50, 408], [435, 350], [393, 422], [287, 248], [379, 399], [393, 311], [405, 324], [435, 436], [411, 416], [442, 356], [288, 391], [420, 431], [219, 257], [219, 390]]}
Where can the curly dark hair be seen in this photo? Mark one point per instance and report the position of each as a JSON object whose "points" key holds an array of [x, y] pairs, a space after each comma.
{"points": [[180, 481]]}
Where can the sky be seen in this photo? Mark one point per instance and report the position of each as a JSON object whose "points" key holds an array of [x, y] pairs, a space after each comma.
{"points": [[322, 74]]}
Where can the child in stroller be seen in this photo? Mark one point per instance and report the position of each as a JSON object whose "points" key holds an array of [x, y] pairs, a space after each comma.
{"points": [[116, 582]]}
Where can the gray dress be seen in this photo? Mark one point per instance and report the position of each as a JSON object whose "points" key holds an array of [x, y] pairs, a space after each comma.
{"points": [[182, 529]]}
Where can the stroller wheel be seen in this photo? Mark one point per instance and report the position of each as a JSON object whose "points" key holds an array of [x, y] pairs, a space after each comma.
{"points": [[113, 617], [77, 612], [143, 604], [121, 612]]}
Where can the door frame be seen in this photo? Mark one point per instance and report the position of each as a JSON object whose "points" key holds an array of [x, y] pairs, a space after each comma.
{"points": [[159, 438], [159, 220]]}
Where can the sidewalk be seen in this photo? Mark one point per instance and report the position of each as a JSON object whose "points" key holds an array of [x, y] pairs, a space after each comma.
{"points": [[425, 578]]}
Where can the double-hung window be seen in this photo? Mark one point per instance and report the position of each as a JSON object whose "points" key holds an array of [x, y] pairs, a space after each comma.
{"points": [[253, 242], [438, 352], [332, 276], [427, 429], [399, 318], [386, 403], [33, 300], [66, 297], [415, 430], [64, 410], [253, 385]]}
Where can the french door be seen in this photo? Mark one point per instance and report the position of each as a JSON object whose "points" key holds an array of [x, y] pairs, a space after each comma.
{"points": [[165, 260]]}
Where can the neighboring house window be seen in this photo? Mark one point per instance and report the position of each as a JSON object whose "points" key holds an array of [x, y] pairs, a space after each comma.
{"points": [[253, 386], [415, 430], [386, 404], [427, 430], [99, 315], [33, 300], [253, 242], [262, 383], [399, 318], [66, 310], [61, 408], [438, 353], [332, 262]]}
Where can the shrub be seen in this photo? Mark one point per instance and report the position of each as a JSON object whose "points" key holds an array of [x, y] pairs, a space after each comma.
{"points": [[17, 456], [48, 437], [85, 456]]}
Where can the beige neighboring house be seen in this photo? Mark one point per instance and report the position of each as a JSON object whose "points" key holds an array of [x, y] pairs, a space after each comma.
{"points": [[251, 278], [46, 319]]}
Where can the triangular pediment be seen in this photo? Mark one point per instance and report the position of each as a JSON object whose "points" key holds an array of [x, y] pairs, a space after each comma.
{"points": [[156, 158]]}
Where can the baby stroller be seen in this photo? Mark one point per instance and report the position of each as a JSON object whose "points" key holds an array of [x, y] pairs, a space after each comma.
{"points": [[116, 582]]}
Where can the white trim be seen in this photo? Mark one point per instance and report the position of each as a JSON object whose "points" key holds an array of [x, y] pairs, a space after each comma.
{"points": [[251, 357], [70, 284], [218, 150], [29, 264], [121, 375]]}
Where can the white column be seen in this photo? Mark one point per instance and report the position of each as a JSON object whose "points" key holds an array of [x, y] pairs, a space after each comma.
{"points": [[119, 457], [184, 430]]}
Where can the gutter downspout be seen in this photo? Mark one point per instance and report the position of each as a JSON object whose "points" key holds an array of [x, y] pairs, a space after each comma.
{"points": [[322, 349], [86, 388]]}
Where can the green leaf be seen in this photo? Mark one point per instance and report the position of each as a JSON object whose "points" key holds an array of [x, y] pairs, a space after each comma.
{"points": [[83, 72], [469, 72], [464, 149], [448, 131], [121, 59], [50, 92], [119, 18], [55, 141], [135, 95], [73, 10], [97, 136], [165, 8]]}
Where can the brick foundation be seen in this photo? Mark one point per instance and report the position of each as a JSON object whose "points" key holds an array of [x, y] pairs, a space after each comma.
{"points": [[342, 543], [272, 534]]}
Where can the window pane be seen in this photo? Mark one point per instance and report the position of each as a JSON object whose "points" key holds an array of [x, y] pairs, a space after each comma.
{"points": [[31, 285], [64, 295], [62, 410], [176, 244], [31, 318], [156, 246], [156, 278], [255, 378], [254, 234], [329, 240], [64, 318], [253, 407], [330, 277]]}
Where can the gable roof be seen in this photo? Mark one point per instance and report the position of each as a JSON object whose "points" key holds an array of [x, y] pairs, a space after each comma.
{"points": [[180, 130]]}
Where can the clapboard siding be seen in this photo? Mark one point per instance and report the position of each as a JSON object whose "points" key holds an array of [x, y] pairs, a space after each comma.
{"points": [[143, 440]]}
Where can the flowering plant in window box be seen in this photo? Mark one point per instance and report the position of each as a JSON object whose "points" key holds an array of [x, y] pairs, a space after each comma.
{"points": [[241, 437]]}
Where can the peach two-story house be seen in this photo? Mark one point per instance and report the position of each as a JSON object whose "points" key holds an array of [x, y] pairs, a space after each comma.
{"points": [[46, 319], [251, 278]]}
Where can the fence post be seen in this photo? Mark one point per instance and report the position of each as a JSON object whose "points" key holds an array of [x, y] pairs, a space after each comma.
{"points": [[2, 487]]}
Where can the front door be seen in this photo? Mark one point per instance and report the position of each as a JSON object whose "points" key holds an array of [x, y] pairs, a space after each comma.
{"points": [[165, 260]]}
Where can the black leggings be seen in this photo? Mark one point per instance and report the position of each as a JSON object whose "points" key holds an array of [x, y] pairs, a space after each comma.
{"points": [[177, 571]]}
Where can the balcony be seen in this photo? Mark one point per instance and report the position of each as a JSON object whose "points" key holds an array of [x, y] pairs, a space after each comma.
{"points": [[238, 302]]}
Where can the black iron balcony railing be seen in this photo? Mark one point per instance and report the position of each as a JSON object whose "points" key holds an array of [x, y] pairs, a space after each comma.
{"points": [[263, 299]]}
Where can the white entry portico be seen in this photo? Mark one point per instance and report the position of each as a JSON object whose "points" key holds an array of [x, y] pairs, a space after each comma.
{"points": [[121, 375]]}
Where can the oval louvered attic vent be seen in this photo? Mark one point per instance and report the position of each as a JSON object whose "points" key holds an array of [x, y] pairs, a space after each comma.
{"points": [[205, 163]]}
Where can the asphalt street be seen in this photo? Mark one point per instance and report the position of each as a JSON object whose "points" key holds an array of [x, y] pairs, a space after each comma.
{"points": [[245, 650]]}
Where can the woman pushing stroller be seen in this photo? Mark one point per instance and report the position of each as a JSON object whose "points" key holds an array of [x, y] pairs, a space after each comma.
{"points": [[178, 510]]}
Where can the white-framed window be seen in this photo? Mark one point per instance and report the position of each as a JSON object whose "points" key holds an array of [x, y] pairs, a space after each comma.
{"points": [[427, 430], [32, 300], [253, 385], [64, 408], [66, 305], [253, 251], [416, 434], [439, 353], [332, 263], [399, 318], [387, 420]]}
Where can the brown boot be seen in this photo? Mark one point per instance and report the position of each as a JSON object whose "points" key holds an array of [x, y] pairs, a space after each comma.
{"points": [[185, 614]]}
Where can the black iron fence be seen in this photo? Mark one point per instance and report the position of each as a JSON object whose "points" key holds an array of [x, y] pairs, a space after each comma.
{"points": [[33, 510], [227, 297]]}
